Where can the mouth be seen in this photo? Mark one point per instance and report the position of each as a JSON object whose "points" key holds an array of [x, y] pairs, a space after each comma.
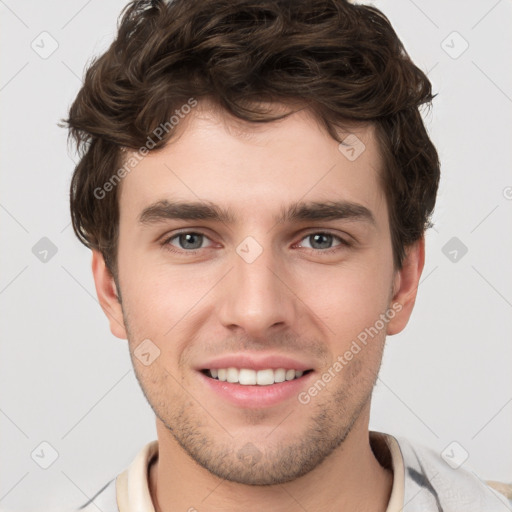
{"points": [[250, 377], [255, 380]]}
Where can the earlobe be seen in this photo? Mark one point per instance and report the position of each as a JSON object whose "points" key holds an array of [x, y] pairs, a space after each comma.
{"points": [[405, 286], [108, 295]]}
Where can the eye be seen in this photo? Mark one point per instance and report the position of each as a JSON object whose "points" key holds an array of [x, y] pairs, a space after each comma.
{"points": [[186, 241], [321, 241]]}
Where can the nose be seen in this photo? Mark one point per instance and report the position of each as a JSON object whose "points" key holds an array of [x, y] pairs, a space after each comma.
{"points": [[255, 296]]}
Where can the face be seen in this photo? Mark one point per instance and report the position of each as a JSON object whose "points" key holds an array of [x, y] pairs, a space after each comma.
{"points": [[249, 255]]}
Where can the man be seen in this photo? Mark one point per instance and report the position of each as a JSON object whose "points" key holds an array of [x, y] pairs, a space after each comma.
{"points": [[255, 183]]}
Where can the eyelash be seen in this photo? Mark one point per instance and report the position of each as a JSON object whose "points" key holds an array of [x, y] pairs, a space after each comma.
{"points": [[167, 246]]}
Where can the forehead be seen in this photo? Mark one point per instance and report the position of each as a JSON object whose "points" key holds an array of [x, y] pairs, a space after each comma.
{"points": [[256, 169]]}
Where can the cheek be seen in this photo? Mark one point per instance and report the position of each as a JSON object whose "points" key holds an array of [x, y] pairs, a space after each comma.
{"points": [[349, 297], [152, 288], [159, 303]]}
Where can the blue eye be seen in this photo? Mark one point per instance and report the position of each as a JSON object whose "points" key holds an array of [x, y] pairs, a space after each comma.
{"points": [[187, 241], [322, 241]]}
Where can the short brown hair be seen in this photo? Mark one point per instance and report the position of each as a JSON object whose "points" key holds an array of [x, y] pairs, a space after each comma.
{"points": [[342, 61]]}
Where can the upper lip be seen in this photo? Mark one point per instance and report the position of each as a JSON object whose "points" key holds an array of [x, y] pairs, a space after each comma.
{"points": [[255, 362]]}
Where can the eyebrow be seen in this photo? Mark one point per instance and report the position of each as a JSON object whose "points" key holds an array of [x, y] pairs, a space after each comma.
{"points": [[296, 212]]}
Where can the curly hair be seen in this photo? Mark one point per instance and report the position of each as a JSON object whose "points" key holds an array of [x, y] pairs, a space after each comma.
{"points": [[342, 61]]}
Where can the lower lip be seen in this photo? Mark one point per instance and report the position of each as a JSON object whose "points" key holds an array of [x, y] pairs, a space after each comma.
{"points": [[257, 396]]}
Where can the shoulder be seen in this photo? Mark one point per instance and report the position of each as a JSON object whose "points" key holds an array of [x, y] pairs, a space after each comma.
{"points": [[129, 485], [433, 484]]}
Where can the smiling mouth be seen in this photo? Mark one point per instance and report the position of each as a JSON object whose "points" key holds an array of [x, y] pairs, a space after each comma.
{"points": [[249, 377]]}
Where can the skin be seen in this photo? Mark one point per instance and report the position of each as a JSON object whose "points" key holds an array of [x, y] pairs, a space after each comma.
{"points": [[291, 300]]}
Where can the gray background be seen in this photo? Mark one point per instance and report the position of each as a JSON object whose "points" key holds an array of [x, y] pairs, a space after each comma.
{"points": [[67, 381]]}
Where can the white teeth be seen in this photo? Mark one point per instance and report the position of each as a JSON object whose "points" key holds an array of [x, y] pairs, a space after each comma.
{"points": [[232, 375], [248, 377], [280, 375], [265, 377]]}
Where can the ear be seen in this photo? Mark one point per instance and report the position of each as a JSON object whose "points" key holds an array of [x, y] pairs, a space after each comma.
{"points": [[405, 286], [106, 290]]}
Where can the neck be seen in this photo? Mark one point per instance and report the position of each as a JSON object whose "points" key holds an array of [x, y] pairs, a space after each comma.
{"points": [[349, 479]]}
